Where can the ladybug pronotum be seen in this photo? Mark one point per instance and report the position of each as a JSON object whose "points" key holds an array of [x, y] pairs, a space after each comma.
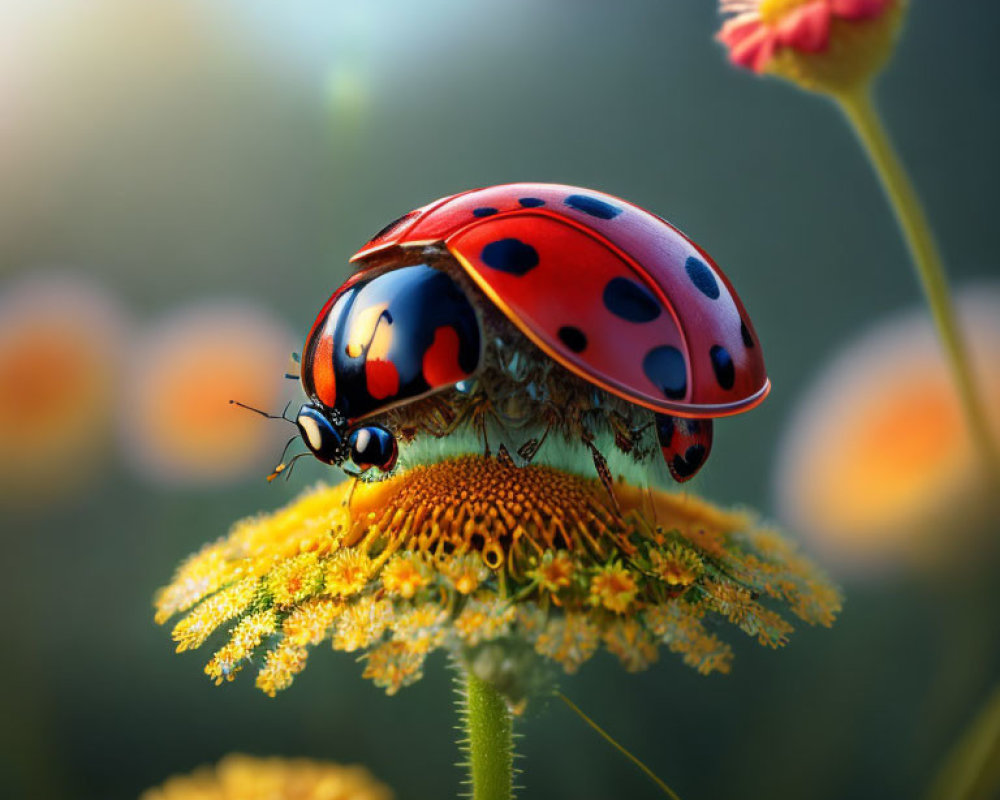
{"points": [[620, 300]]}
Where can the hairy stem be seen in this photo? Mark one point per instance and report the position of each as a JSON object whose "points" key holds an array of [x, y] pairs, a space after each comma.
{"points": [[864, 118], [490, 739]]}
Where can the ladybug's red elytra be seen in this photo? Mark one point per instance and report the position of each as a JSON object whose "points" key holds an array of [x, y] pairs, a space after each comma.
{"points": [[612, 293]]}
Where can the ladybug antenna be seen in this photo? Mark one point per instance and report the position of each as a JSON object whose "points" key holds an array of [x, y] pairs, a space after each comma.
{"points": [[281, 460], [283, 415], [286, 466]]}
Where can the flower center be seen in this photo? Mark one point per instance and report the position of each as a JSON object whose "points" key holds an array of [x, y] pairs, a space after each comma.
{"points": [[772, 11], [481, 504]]}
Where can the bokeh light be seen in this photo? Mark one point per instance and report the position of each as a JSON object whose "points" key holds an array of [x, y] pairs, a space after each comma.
{"points": [[239, 777], [60, 338], [878, 466], [177, 421]]}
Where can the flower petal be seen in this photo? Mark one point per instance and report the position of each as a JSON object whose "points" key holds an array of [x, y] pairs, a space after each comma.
{"points": [[806, 28]]}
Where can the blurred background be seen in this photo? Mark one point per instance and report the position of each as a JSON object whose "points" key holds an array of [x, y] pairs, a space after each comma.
{"points": [[182, 184]]}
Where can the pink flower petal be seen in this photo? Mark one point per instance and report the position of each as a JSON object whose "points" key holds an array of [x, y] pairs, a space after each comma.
{"points": [[858, 9], [755, 50], [807, 28], [735, 30]]}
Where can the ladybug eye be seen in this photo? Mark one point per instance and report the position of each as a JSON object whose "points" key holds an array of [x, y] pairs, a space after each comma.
{"points": [[320, 435], [373, 446]]}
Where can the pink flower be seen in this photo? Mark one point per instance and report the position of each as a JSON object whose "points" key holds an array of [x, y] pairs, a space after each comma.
{"points": [[753, 40]]}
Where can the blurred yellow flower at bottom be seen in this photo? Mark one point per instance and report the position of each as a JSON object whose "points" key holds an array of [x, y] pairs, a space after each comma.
{"points": [[239, 777], [878, 462]]}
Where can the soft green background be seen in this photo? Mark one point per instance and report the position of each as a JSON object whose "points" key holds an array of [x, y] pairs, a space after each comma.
{"points": [[179, 149]]}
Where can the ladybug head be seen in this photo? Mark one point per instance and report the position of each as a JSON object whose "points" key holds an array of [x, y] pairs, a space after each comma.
{"points": [[326, 435], [322, 433]]}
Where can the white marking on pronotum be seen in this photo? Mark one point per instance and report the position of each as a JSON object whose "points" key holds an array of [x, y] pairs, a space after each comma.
{"points": [[313, 436]]}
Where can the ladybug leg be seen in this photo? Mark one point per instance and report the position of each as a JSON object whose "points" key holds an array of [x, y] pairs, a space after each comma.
{"points": [[604, 473], [530, 448], [686, 444], [625, 437], [503, 456], [350, 493]]}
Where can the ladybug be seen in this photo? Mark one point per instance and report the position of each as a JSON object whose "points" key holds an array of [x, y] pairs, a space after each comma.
{"points": [[612, 293]]}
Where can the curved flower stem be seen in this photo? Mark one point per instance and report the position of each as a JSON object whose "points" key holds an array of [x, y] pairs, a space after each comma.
{"points": [[860, 111], [614, 743], [490, 743]]}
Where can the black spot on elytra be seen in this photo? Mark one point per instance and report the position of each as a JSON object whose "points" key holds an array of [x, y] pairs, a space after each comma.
{"points": [[665, 367], [531, 202], [745, 334], [722, 363], [484, 211], [630, 300], [684, 467], [593, 206], [701, 276], [573, 338], [510, 255], [392, 226]]}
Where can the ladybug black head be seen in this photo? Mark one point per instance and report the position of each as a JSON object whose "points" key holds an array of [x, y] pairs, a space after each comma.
{"points": [[322, 435], [327, 436]]}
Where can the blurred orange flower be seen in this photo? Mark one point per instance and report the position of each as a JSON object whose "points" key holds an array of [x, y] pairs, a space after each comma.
{"points": [[878, 462], [178, 424], [60, 340]]}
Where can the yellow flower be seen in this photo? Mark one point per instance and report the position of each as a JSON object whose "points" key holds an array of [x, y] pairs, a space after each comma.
{"points": [[555, 571], [613, 587], [245, 638], [570, 640], [465, 572], [821, 45], [294, 580], [239, 777], [405, 575], [393, 665], [348, 572], [677, 565], [473, 551]]}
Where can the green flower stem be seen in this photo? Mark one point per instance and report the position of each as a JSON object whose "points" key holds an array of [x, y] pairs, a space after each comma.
{"points": [[860, 111], [490, 742]]}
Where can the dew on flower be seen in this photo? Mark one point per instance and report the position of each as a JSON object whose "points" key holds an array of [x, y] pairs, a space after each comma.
{"points": [[60, 363], [178, 425], [878, 462], [240, 777]]}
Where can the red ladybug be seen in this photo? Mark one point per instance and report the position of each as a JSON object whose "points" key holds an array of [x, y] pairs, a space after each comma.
{"points": [[614, 294]]}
